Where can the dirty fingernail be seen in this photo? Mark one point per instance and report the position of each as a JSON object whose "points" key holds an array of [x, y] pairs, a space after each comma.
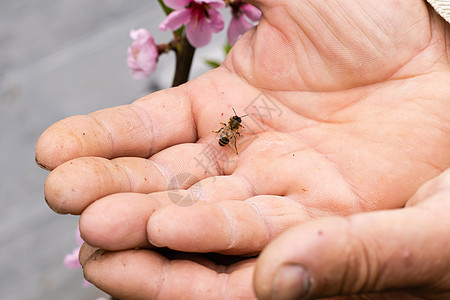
{"points": [[290, 282], [86, 251]]}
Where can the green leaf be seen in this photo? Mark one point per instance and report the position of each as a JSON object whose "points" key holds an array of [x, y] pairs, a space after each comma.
{"points": [[212, 63], [227, 48], [166, 9]]}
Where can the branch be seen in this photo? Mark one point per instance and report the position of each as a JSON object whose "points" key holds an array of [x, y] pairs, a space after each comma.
{"points": [[184, 54]]}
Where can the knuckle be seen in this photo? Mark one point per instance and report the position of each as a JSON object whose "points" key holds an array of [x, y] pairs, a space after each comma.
{"points": [[364, 266]]}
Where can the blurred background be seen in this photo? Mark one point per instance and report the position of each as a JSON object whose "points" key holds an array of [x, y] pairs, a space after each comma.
{"points": [[57, 59]]}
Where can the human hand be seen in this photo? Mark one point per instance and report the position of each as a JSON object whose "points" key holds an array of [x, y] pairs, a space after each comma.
{"points": [[350, 83], [389, 254]]}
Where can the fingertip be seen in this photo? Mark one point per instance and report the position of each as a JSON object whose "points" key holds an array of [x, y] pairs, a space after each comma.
{"points": [[118, 221], [57, 144], [291, 281], [129, 274], [53, 195], [163, 227], [93, 225], [37, 159], [102, 225], [154, 224], [67, 188], [296, 262], [94, 263]]}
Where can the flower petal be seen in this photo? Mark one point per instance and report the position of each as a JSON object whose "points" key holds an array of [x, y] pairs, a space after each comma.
{"points": [[141, 37], [131, 60], [176, 19], [142, 55], [78, 237], [216, 20], [138, 74], [177, 4], [71, 260], [199, 34], [236, 28], [147, 58], [86, 283], [217, 4], [134, 34], [251, 12]]}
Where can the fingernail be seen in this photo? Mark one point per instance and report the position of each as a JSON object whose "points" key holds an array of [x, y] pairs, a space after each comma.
{"points": [[86, 251], [290, 282], [40, 164]]}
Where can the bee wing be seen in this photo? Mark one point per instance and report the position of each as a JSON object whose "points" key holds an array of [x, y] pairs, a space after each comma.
{"points": [[231, 134]]}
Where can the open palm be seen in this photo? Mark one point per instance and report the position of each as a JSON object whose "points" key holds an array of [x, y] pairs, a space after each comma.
{"points": [[343, 116]]}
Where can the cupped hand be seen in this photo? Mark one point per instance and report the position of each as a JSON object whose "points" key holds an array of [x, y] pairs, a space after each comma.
{"points": [[347, 112], [388, 254]]}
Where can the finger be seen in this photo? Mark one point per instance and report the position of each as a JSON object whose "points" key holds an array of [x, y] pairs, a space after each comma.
{"points": [[119, 221], [123, 217], [74, 185], [144, 274], [228, 227], [366, 253], [145, 127], [243, 227]]}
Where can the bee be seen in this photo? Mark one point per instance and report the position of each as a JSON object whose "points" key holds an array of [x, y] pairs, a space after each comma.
{"points": [[230, 131]]}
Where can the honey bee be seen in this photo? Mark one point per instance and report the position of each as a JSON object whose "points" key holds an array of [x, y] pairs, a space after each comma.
{"points": [[230, 131]]}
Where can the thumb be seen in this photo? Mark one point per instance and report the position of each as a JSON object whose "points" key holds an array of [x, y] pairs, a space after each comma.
{"points": [[381, 251]]}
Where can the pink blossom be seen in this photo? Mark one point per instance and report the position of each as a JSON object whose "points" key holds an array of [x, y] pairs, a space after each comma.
{"points": [[200, 17], [71, 260], [239, 23], [142, 54]]}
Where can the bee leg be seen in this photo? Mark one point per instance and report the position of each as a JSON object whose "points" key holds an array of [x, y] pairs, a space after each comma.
{"points": [[217, 131], [235, 147]]}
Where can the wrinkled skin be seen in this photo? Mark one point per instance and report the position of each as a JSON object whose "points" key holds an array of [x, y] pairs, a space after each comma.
{"points": [[348, 113]]}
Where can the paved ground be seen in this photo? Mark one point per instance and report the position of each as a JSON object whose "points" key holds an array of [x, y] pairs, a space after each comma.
{"points": [[58, 58]]}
